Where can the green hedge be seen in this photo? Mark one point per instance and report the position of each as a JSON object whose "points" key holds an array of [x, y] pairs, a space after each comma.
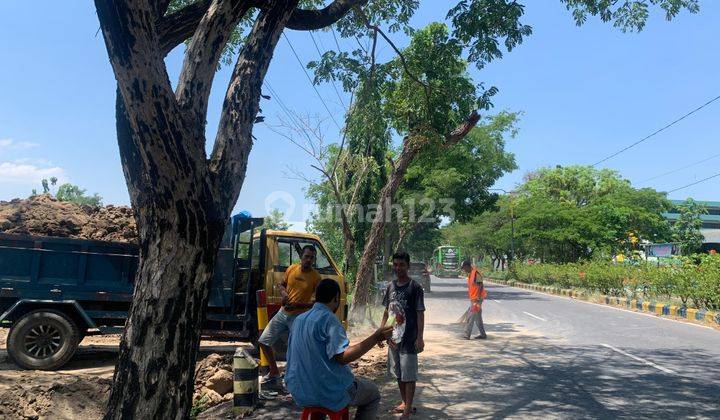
{"points": [[694, 282]]}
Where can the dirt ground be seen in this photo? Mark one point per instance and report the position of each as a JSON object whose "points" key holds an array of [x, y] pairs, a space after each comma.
{"points": [[80, 389]]}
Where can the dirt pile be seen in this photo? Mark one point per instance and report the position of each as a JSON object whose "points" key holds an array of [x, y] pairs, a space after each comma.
{"points": [[43, 215], [78, 394], [63, 398], [213, 380]]}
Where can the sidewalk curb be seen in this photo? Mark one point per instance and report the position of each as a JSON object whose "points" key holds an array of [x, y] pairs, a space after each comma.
{"points": [[639, 305]]}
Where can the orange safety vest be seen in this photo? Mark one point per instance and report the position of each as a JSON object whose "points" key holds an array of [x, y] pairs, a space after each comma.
{"points": [[475, 290]]}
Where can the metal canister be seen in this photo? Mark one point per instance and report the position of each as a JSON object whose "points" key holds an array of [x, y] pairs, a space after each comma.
{"points": [[245, 382], [262, 321]]}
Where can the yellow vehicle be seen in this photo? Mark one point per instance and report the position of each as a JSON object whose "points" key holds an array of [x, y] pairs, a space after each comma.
{"points": [[275, 250]]}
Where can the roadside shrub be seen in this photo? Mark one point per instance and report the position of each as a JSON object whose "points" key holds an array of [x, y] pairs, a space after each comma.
{"points": [[708, 282], [694, 280], [607, 278]]}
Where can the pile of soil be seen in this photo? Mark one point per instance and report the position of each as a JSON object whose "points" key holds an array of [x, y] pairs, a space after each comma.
{"points": [[68, 397], [43, 215], [25, 394], [213, 380]]}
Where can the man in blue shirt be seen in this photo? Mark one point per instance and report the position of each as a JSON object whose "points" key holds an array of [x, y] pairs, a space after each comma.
{"points": [[317, 372]]}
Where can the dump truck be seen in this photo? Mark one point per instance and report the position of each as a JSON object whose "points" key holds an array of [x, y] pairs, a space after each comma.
{"points": [[55, 291]]}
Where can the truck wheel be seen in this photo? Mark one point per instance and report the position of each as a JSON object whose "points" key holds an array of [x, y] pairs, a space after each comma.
{"points": [[42, 339]]}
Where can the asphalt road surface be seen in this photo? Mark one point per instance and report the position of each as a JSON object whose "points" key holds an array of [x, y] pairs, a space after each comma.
{"points": [[555, 357]]}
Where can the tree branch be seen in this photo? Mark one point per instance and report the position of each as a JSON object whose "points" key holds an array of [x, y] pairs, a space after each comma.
{"points": [[309, 20], [146, 92], [202, 57], [462, 130], [401, 56], [359, 180], [176, 27], [234, 139]]}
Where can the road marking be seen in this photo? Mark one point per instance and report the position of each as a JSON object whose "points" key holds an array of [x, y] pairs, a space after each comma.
{"points": [[534, 316], [639, 359], [496, 301]]}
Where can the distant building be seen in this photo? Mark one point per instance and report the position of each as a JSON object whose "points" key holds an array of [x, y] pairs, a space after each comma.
{"points": [[710, 228]]}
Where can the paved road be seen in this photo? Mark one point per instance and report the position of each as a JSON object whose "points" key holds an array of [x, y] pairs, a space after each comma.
{"points": [[555, 357]]}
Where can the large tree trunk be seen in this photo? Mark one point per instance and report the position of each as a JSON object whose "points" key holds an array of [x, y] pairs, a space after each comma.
{"points": [[154, 374], [182, 200]]}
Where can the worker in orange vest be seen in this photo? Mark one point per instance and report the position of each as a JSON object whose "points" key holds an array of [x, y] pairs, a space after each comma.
{"points": [[476, 293]]}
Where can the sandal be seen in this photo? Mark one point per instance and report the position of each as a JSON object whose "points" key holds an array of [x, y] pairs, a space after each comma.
{"points": [[401, 410], [267, 379]]}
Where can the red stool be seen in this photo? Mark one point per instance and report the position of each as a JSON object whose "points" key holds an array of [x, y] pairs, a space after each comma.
{"points": [[313, 413]]}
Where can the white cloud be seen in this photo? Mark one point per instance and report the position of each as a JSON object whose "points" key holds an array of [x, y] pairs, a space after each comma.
{"points": [[23, 173], [17, 145], [34, 161]]}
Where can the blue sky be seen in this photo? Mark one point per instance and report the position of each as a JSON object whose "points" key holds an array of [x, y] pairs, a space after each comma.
{"points": [[584, 93]]}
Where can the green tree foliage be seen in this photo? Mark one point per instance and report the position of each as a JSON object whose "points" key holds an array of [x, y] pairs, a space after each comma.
{"points": [[486, 235], [452, 183], [275, 220], [390, 102], [74, 194], [69, 193], [566, 214], [687, 228], [422, 241], [628, 15], [461, 174]]}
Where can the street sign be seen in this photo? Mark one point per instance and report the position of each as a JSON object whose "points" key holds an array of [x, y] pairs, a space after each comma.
{"points": [[660, 250]]}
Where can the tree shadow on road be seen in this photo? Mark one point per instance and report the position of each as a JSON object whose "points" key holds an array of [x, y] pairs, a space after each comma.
{"points": [[524, 376], [440, 291]]}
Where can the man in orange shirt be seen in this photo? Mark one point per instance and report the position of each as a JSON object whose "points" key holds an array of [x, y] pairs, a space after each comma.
{"points": [[476, 293], [297, 291]]}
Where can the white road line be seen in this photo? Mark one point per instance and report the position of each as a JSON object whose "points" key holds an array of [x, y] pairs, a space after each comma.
{"points": [[496, 301], [639, 359], [534, 316]]}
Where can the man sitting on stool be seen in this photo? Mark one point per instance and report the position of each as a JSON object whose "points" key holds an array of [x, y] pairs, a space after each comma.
{"points": [[317, 372]]}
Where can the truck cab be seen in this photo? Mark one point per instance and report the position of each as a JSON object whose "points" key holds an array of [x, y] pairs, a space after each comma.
{"points": [[283, 249]]}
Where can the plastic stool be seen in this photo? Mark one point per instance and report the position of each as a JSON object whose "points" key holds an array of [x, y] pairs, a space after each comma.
{"points": [[313, 413]]}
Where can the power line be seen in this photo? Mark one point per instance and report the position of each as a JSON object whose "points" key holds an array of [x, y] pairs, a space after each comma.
{"points": [[680, 169], [695, 183], [283, 107], [337, 92], [657, 131], [297, 57], [335, 38]]}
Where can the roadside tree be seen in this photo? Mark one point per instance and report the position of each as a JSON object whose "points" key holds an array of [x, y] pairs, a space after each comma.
{"points": [[686, 228]]}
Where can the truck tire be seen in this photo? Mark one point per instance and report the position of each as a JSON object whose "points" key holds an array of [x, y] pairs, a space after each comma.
{"points": [[42, 339]]}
